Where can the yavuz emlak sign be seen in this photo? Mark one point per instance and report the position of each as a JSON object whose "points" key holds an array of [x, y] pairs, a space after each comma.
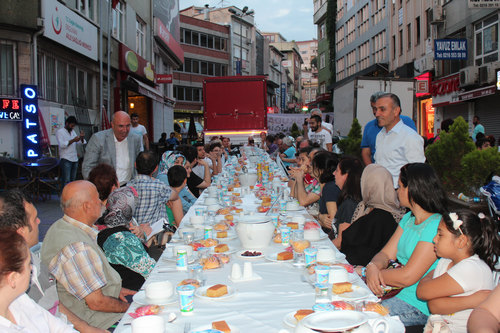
{"points": [[69, 29]]}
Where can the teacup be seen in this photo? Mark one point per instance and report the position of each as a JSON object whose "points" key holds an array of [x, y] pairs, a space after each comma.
{"points": [[338, 275], [325, 254], [197, 219], [159, 291], [150, 324]]}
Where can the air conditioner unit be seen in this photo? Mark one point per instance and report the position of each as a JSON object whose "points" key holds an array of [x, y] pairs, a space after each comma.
{"points": [[437, 13], [487, 73], [469, 76]]}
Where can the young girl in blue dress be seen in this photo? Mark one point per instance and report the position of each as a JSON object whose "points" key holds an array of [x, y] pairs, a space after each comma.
{"points": [[468, 245]]}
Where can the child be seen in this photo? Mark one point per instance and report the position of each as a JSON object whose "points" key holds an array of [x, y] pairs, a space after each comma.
{"points": [[469, 246]]}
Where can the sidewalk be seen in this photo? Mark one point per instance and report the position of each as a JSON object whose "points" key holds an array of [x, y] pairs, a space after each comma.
{"points": [[49, 211]]}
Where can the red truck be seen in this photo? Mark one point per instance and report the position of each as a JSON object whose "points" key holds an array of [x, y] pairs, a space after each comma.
{"points": [[235, 107]]}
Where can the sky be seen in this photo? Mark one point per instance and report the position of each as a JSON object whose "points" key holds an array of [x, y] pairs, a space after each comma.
{"points": [[292, 18]]}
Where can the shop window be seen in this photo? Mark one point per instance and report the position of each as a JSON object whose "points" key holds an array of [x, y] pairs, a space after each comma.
{"points": [[7, 66], [486, 40], [118, 15], [61, 82], [50, 79]]}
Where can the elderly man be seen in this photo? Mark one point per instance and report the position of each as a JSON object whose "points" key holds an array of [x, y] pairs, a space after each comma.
{"points": [[86, 282], [396, 144], [372, 129], [115, 147], [17, 212]]}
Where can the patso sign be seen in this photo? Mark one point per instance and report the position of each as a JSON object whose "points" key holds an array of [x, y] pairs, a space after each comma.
{"points": [[69, 29]]}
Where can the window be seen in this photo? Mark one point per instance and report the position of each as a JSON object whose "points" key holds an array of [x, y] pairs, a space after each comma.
{"points": [[428, 14], [393, 47], [379, 48], [140, 37], [322, 31], [364, 55], [203, 40], [87, 8], [61, 82], [363, 17], [50, 79], [7, 72], [417, 30], [408, 27], [351, 63], [486, 40], [191, 94], [119, 21], [351, 30], [401, 42], [322, 61]]}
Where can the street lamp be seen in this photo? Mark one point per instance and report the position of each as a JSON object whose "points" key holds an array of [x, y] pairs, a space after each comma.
{"points": [[244, 12]]}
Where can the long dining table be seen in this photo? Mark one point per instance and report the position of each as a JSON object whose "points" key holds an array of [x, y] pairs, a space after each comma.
{"points": [[265, 304]]}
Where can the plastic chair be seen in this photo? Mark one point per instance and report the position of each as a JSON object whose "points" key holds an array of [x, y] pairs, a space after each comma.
{"points": [[47, 177]]}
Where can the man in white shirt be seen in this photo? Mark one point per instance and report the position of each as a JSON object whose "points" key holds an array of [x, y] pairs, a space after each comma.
{"points": [[116, 147], [325, 125], [139, 130], [397, 144], [67, 141], [319, 134]]}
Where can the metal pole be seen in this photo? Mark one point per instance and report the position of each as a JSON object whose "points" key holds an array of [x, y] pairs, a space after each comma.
{"points": [[110, 23], [101, 100], [241, 46]]}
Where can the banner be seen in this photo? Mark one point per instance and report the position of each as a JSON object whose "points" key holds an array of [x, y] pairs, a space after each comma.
{"points": [[282, 122]]}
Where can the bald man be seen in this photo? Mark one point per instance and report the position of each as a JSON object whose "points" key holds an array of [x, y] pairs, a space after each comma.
{"points": [[86, 283], [116, 146]]}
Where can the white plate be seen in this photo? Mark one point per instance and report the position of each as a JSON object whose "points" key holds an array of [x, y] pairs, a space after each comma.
{"points": [[202, 293], [230, 251], [331, 321], [191, 259], [294, 209], [141, 298], [289, 319], [357, 293], [233, 328], [274, 256], [351, 277], [169, 328], [230, 236], [322, 236], [239, 255]]}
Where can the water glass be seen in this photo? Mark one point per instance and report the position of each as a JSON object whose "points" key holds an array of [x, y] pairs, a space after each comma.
{"points": [[321, 293], [188, 236]]}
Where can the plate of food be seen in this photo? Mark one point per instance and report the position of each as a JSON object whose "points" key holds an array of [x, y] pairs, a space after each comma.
{"points": [[140, 298], [216, 292], [224, 248], [284, 256], [291, 319], [250, 254], [349, 292], [219, 326]]}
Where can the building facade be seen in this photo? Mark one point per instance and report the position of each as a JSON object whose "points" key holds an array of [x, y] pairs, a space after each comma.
{"points": [[309, 76]]}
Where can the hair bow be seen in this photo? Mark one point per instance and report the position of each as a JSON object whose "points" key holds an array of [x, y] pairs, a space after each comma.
{"points": [[481, 216], [456, 222]]}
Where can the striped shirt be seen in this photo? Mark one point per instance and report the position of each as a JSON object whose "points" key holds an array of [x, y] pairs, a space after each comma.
{"points": [[77, 266]]}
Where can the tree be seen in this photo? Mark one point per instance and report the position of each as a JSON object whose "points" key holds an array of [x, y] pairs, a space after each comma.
{"points": [[445, 155], [352, 144], [295, 131]]}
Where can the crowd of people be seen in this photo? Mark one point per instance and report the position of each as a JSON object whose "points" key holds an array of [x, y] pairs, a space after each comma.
{"points": [[386, 211]]}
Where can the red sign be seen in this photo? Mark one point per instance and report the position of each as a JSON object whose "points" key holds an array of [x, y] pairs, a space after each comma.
{"points": [[10, 109], [163, 78], [445, 86], [131, 62], [423, 82], [169, 40], [481, 92]]}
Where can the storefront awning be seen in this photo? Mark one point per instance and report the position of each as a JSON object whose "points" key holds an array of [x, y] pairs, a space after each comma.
{"points": [[477, 93], [147, 91]]}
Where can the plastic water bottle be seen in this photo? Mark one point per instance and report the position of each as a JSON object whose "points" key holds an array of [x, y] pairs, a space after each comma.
{"points": [[463, 197]]}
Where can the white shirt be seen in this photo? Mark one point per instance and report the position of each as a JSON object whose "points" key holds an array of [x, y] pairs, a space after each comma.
{"points": [[322, 137], [32, 318], [399, 146], [326, 126], [123, 166], [68, 152], [199, 170], [472, 274], [140, 131]]}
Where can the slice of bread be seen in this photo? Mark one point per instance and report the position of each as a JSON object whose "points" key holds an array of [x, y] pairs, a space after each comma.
{"points": [[222, 234], [221, 326], [217, 291], [293, 225], [342, 287], [285, 255], [300, 314], [221, 248]]}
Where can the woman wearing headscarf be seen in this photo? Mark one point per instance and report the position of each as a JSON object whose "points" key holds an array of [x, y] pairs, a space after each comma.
{"points": [[375, 219], [124, 250], [168, 160]]}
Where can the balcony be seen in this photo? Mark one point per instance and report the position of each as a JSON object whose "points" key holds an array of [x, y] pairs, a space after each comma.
{"points": [[320, 14]]}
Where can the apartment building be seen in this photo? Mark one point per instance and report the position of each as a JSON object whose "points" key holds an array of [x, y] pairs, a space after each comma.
{"points": [[309, 76]]}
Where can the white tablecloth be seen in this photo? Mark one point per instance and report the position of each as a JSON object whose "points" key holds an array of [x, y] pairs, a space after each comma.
{"points": [[257, 306]]}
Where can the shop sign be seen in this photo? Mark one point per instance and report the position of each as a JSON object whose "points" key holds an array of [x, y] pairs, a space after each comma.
{"points": [[66, 27], [450, 49], [423, 82], [445, 86], [477, 93], [31, 123], [286, 63], [484, 3], [166, 37], [163, 78], [10, 109], [131, 62]]}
